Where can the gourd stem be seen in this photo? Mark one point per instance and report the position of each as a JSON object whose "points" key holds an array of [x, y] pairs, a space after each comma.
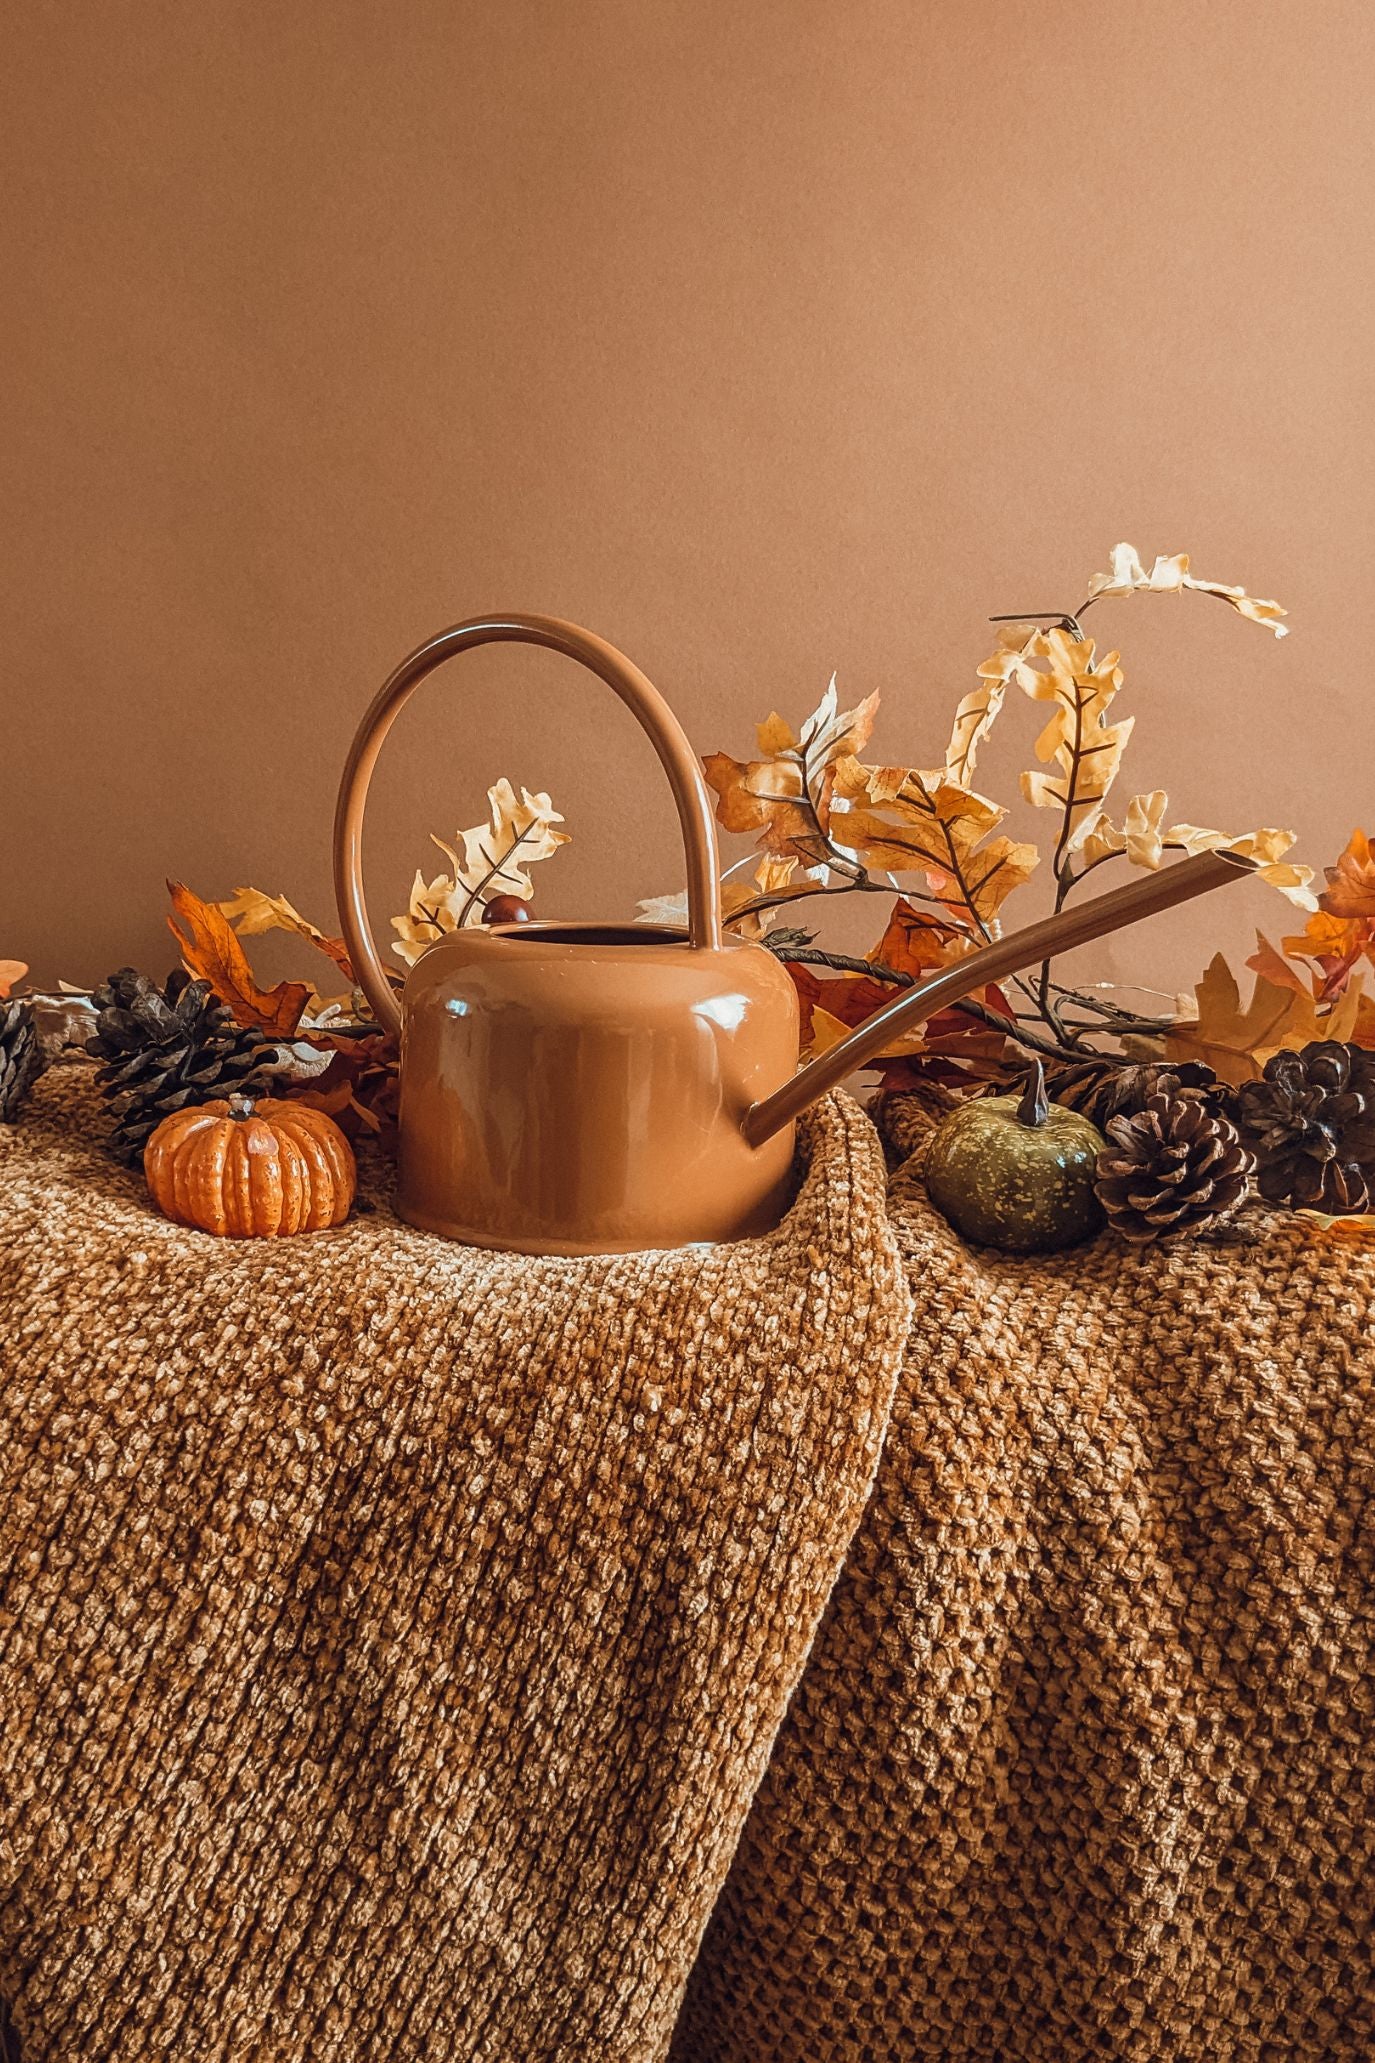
{"points": [[1034, 1108]]}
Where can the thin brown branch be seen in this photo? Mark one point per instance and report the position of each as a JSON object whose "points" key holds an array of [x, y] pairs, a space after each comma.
{"points": [[1011, 1028]]}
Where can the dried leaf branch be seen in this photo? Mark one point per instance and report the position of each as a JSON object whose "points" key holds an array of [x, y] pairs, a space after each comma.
{"points": [[846, 826]]}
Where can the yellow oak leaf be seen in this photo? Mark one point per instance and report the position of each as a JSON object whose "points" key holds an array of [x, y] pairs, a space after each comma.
{"points": [[922, 820], [978, 711], [12, 972]]}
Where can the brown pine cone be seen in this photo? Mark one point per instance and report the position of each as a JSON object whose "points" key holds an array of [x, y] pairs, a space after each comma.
{"points": [[166, 1047], [1173, 1169], [21, 1056], [1104, 1089], [1310, 1121]]}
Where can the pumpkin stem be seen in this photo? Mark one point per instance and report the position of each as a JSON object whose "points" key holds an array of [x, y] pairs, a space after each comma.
{"points": [[240, 1107], [1034, 1108]]}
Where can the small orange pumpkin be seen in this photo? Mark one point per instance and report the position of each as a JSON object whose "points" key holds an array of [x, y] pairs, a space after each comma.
{"points": [[246, 1170]]}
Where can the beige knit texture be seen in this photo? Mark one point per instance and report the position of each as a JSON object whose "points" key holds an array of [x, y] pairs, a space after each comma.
{"points": [[392, 1636], [1083, 1762]]}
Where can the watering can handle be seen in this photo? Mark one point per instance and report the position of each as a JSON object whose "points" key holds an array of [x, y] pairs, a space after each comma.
{"points": [[645, 704]]}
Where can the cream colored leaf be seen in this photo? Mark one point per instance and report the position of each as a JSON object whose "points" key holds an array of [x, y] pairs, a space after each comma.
{"points": [[489, 860], [1084, 773], [518, 832], [831, 733], [1171, 575], [1102, 838], [431, 913], [663, 909], [252, 912], [1266, 847], [1142, 828]]}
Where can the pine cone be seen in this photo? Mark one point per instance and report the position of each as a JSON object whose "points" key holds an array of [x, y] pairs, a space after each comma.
{"points": [[1104, 1089], [1171, 1170], [21, 1056], [1311, 1123], [165, 1048]]}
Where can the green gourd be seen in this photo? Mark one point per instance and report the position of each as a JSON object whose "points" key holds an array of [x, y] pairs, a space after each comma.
{"points": [[1017, 1172]]}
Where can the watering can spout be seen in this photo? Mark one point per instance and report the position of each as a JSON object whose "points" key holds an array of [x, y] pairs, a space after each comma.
{"points": [[993, 962]]}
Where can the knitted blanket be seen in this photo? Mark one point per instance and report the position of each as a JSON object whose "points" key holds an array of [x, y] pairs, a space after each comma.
{"points": [[1083, 1762], [392, 1636]]}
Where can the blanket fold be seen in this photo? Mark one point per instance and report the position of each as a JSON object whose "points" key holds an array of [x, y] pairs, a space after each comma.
{"points": [[392, 1636], [1082, 1765]]}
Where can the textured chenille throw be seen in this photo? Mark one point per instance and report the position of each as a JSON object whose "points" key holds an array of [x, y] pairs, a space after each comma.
{"points": [[392, 1636], [1082, 1765]]}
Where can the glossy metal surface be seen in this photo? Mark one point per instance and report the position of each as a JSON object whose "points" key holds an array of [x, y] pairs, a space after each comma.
{"points": [[572, 1089]]}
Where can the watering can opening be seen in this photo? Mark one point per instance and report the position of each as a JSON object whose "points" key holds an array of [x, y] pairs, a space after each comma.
{"points": [[580, 1087], [544, 931]]}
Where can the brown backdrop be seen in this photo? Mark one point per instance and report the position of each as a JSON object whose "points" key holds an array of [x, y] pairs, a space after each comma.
{"points": [[766, 339]]}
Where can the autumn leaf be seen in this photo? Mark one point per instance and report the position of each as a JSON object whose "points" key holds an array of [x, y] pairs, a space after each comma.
{"points": [[1269, 962], [1263, 847], [834, 1007], [785, 795], [916, 942], [741, 900], [1171, 575], [1235, 1041], [12, 972], [1144, 838], [1084, 747], [904, 818], [358, 1088], [977, 713], [210, 951], [1350, 890], [489, 860], [252, 913], [1334, 945]]}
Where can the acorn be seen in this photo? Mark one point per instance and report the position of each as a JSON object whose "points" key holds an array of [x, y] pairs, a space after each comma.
{"points": [[506, 909]]}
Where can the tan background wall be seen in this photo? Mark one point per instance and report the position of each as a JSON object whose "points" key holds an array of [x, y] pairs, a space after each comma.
{"points": [[766, 339]]}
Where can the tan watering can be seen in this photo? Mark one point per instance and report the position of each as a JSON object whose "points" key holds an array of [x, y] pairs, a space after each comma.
{"points": [[603, 1088]]}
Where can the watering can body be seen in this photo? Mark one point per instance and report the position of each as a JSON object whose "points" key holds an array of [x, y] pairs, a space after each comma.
{"points": [[572, 1089], [592, 1088]]}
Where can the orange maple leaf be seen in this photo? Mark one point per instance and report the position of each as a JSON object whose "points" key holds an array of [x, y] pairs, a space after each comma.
{"points": [[1351, 883], [210, 950], [916, 943]]}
